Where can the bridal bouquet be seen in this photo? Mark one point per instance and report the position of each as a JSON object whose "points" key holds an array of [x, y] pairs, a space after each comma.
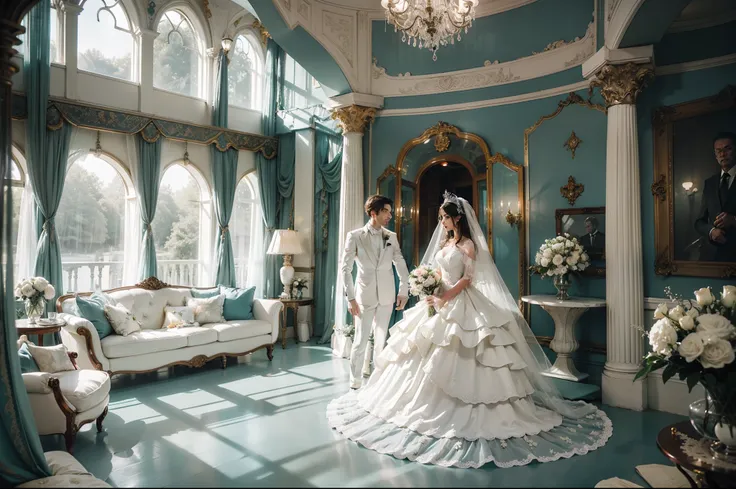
{"points": [[696, 340], [423, 282], [35, 291], [560, 255]]}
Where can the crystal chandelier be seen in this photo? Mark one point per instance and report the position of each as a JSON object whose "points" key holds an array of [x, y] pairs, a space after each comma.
{"points": [[431, 23]]}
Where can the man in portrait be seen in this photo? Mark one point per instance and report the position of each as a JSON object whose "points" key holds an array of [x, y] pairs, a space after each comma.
{"points": [[594, 241], [717, 218]]}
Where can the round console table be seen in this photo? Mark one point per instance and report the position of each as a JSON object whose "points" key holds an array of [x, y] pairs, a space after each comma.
{"points": [[565, 315], [37, 330]]}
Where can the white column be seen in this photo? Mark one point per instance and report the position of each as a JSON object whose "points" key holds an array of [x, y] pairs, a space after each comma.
{"points": [[352, 119], [146, 96], [304, 213], [620, 85], [70, 46]]}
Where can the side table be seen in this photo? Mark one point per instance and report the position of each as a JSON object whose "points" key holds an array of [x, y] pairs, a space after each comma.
{"points": [[565, 315], [685, 447], [294, 304], [37, 330]]}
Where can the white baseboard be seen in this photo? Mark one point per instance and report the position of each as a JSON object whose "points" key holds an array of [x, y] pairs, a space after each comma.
{"points": [[671, 397]]}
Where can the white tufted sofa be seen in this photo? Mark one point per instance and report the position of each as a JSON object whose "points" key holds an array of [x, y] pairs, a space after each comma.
{"points": [[152, 347]]}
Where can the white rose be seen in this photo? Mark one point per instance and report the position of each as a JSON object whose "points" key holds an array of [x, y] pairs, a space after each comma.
{"points": [[569, 244], [28, 290], [421, 279], [584, 257], [691, 347], [40, 284], [582, 266], [545, 262], [557, 260], [429, 282], [716, 354], [420, 272], [547, 253], [704, 296], [17, 291], [50, 292], [557, 247], [538, 258], [571, 260], [693, 313], [677, 312], [26, 282], [687, 323], [728, 296], [716, 325], [550, 272], [661, 311], [662, 336], [560, 270]]}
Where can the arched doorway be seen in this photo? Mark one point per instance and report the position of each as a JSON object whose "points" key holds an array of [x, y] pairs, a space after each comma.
{"points": [[448, 172]]}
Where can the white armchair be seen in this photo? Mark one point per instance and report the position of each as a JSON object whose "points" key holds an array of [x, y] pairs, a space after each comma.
{"points": [[63, 402]]}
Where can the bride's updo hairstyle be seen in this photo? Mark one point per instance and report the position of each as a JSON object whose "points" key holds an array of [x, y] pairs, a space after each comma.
{"points": [[461, 226]]}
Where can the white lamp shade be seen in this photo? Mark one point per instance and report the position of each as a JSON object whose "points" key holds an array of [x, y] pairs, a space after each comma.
{"points": [[285, 242]]}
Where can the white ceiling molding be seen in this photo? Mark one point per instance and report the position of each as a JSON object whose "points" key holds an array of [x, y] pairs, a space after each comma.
{"points": [[485, 7], [701, 64], [354, 98], [619, 17], [557, 56], [480, 104]]}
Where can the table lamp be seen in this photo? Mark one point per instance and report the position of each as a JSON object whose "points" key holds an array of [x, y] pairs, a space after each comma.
{"points": [[285, 242]]}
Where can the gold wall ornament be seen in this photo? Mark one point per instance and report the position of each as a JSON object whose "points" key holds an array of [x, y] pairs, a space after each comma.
{"points": [[663, 265], [151, 283], [353, 118], [441, 142], [265, 36], [572, 190], [98, 146], [572, 143], [659, 188], [206, 8], [621, 84]]}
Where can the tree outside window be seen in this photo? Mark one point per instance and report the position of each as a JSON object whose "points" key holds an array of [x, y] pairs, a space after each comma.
{"points": [[245, 74], [105, 39], [243, 222], [176, 55], [14, 183]]}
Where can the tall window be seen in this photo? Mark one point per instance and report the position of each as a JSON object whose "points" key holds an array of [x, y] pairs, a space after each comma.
{"points": [[176, 227], [15, 180], [105, 39], [245, 228], [177, 55], [300, 89], [90, 223], [245, 74], [56, 56]]}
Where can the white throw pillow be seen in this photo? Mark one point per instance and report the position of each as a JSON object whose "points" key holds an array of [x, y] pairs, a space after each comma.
{"points": [[178, 317], [208, 310], [121, 319], [51, 359]]}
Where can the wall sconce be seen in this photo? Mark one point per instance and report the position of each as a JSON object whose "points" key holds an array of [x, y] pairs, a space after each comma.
{"points": [[403, 217], [511, 218], [227, 43], [689, 188]]}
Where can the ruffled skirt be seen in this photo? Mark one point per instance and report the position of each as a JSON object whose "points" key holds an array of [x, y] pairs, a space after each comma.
{"points": [[454, 390]]}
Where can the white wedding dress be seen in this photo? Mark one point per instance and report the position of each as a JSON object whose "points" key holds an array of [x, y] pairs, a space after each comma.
{"points": [[462, 388]]}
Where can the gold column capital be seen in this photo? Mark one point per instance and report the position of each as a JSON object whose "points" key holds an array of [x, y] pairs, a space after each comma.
{"points": [[621, 84], [353, 118]]}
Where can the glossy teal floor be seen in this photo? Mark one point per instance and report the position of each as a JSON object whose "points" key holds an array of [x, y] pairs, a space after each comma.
{"points": [[261, 423]]}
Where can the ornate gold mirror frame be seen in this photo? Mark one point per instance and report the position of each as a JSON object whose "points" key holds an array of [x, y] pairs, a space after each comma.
{"points": [[441, 132], [666, 164]]}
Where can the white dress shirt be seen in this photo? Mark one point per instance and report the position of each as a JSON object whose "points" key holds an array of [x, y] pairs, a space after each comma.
{"points": [[731, 176], [376, 238]]}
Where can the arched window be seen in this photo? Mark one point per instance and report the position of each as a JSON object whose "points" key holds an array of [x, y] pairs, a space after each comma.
{"points": [[245, 74], [246, 231], [105, 39], [91, 223], [56, 56], [13, 184], [177, 55], [180, 224]]}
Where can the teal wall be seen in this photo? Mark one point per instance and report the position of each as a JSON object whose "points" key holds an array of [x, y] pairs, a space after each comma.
{"points": [[670, 90], [679, 47], [504, 37]]}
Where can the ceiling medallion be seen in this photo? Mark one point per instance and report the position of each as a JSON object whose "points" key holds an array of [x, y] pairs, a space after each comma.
{"points": [[431, 23]]}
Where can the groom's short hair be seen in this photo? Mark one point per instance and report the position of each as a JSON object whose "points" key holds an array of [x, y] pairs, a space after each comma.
{"points": [[376, 203]]}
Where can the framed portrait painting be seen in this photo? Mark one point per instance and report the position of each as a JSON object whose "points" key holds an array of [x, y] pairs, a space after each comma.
{"points": [[588, 225], [691, 141]]}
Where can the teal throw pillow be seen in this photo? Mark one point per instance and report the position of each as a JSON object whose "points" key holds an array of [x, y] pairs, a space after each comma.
{"points": [[27, 363], [205, 294], [92, 308], [238, 303]]}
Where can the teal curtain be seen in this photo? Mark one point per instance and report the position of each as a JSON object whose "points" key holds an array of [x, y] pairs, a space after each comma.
{"points": [[286, 165], [326, 232], [21, 454], [267, 170], [224, 175], [147, 176]]}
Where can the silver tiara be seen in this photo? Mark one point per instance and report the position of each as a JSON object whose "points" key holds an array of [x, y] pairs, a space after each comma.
{"points": [[450, 197]]}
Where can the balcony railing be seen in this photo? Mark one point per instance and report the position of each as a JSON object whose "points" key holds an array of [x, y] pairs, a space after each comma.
{"points": [[83, 276]]}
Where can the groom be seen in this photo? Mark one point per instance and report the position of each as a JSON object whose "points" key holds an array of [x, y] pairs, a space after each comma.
{"points": [[374, 248]]}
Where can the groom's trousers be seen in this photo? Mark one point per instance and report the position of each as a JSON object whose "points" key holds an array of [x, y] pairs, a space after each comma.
{"points": [[377, 314]]}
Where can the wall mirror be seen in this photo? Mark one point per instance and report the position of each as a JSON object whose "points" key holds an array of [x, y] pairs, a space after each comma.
{"points": [[588, 224]]}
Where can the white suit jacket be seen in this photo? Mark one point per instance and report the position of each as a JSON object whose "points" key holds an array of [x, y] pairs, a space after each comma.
{"points": [[374, 284]]}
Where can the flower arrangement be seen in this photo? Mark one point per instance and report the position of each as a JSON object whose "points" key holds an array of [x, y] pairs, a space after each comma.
{"points": [[423, 282], [297, 285], [696, 341], [35, 291], [560, 255]]}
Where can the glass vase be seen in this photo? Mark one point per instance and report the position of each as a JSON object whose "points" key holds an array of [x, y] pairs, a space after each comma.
{"points": [[562, 284], [715, 420], [35, 309]]}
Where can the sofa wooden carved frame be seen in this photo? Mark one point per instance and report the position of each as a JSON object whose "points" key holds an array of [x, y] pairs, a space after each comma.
{"points": [[153, 283]]}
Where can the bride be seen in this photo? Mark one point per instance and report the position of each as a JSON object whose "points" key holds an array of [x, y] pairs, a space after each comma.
{"points": [[464, 387]]}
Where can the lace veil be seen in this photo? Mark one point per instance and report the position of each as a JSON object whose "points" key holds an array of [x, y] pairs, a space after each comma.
{"points": [[489, 282]]}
